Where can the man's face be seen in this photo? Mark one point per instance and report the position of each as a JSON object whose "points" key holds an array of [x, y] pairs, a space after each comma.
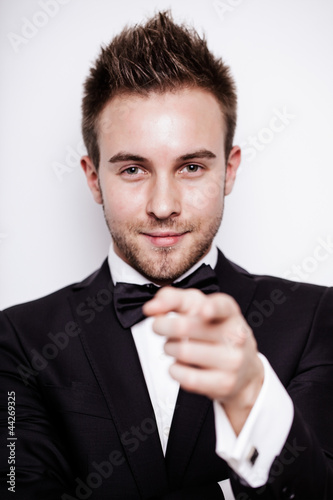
{"points": [[162, 178]]}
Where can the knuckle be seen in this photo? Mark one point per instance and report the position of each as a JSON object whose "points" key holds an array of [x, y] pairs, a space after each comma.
{"points": [[183, 326], [183, 350], [195, 296], [241, 335], [164, 292], [238, 361], [196, 293], [227, 382]]}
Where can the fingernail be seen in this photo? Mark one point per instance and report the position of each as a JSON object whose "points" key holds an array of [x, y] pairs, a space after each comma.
{"points": [[164, 328]]}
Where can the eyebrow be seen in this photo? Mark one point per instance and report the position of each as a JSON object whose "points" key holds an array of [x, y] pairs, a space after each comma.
{"points": [[123, 156], [202, 153]]}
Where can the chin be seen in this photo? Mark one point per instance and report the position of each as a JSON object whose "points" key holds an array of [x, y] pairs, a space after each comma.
{"points": [[165, 267]]}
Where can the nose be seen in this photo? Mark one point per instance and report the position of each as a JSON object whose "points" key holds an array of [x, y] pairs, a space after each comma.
{"points": [[164, 199]]}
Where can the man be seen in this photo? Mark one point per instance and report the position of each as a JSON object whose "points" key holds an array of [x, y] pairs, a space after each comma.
{"points": [[249, 400]]}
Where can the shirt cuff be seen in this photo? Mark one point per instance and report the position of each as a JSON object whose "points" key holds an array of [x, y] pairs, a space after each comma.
{"points": [[252, 452], [226, 489]]}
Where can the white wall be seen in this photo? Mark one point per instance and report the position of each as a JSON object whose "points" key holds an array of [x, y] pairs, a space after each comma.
{"points": [[280, 214]]}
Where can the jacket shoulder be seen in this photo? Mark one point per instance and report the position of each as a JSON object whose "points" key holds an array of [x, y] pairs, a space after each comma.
{"points": [[266, 280], [266, 287], [47, 306]]}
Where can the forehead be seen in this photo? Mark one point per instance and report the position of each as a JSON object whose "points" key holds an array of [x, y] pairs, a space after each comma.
{"points": [[170, 118]]}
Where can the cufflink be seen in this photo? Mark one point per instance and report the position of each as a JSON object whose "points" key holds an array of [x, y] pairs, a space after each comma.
{"points": [[253, 455]]}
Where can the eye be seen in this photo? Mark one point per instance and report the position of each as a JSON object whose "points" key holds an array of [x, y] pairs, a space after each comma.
{"points": [[132, 171], [192, 168]]}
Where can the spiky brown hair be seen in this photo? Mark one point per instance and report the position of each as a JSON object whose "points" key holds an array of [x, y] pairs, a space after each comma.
{"points": [[158, 56]]}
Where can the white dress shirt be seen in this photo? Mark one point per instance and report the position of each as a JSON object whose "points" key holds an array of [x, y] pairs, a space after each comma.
{"points": [[268, 424]]}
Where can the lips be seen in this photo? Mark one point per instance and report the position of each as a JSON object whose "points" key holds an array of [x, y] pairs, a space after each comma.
{"points": [[164, 239]]}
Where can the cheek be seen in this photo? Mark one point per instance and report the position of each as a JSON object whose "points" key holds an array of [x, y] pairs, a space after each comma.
{"points": [[206, 198], [121, 204]]}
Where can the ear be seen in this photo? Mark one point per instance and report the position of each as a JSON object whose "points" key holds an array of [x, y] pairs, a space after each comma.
{"points": [[234, 160], [92, 178]]}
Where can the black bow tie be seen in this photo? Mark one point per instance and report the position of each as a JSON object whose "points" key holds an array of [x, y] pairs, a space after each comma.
{"points": [[129, 298]]}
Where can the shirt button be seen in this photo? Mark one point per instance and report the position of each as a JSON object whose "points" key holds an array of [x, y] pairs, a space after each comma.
{"points": [[162, 356], [166, 431], [288, 494], [253, 455]]}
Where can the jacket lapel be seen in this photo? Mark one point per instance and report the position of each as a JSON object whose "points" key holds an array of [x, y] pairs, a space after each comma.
{"points": [[113, 357], [192, 409], [236, 282]]}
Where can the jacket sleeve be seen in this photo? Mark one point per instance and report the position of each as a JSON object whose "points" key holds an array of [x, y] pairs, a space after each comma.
{"points": [[31, 457], [304, 468]]}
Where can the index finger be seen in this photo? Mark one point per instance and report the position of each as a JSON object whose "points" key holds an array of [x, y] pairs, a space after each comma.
{"points": [[219, 306], [214, 307], [169, 299]]}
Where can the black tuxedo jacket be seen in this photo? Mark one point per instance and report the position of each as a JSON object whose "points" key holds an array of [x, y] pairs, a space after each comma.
{"points": [[85, 426]]}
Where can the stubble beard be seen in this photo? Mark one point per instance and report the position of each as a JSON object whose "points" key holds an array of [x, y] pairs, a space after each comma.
{"points": [[162, 265]]}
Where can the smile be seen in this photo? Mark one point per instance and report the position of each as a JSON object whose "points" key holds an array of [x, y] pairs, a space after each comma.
{"points": [[167, 239]]}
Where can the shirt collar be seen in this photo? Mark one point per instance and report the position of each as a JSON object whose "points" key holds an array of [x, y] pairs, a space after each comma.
{"points": [[123, 272]]}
